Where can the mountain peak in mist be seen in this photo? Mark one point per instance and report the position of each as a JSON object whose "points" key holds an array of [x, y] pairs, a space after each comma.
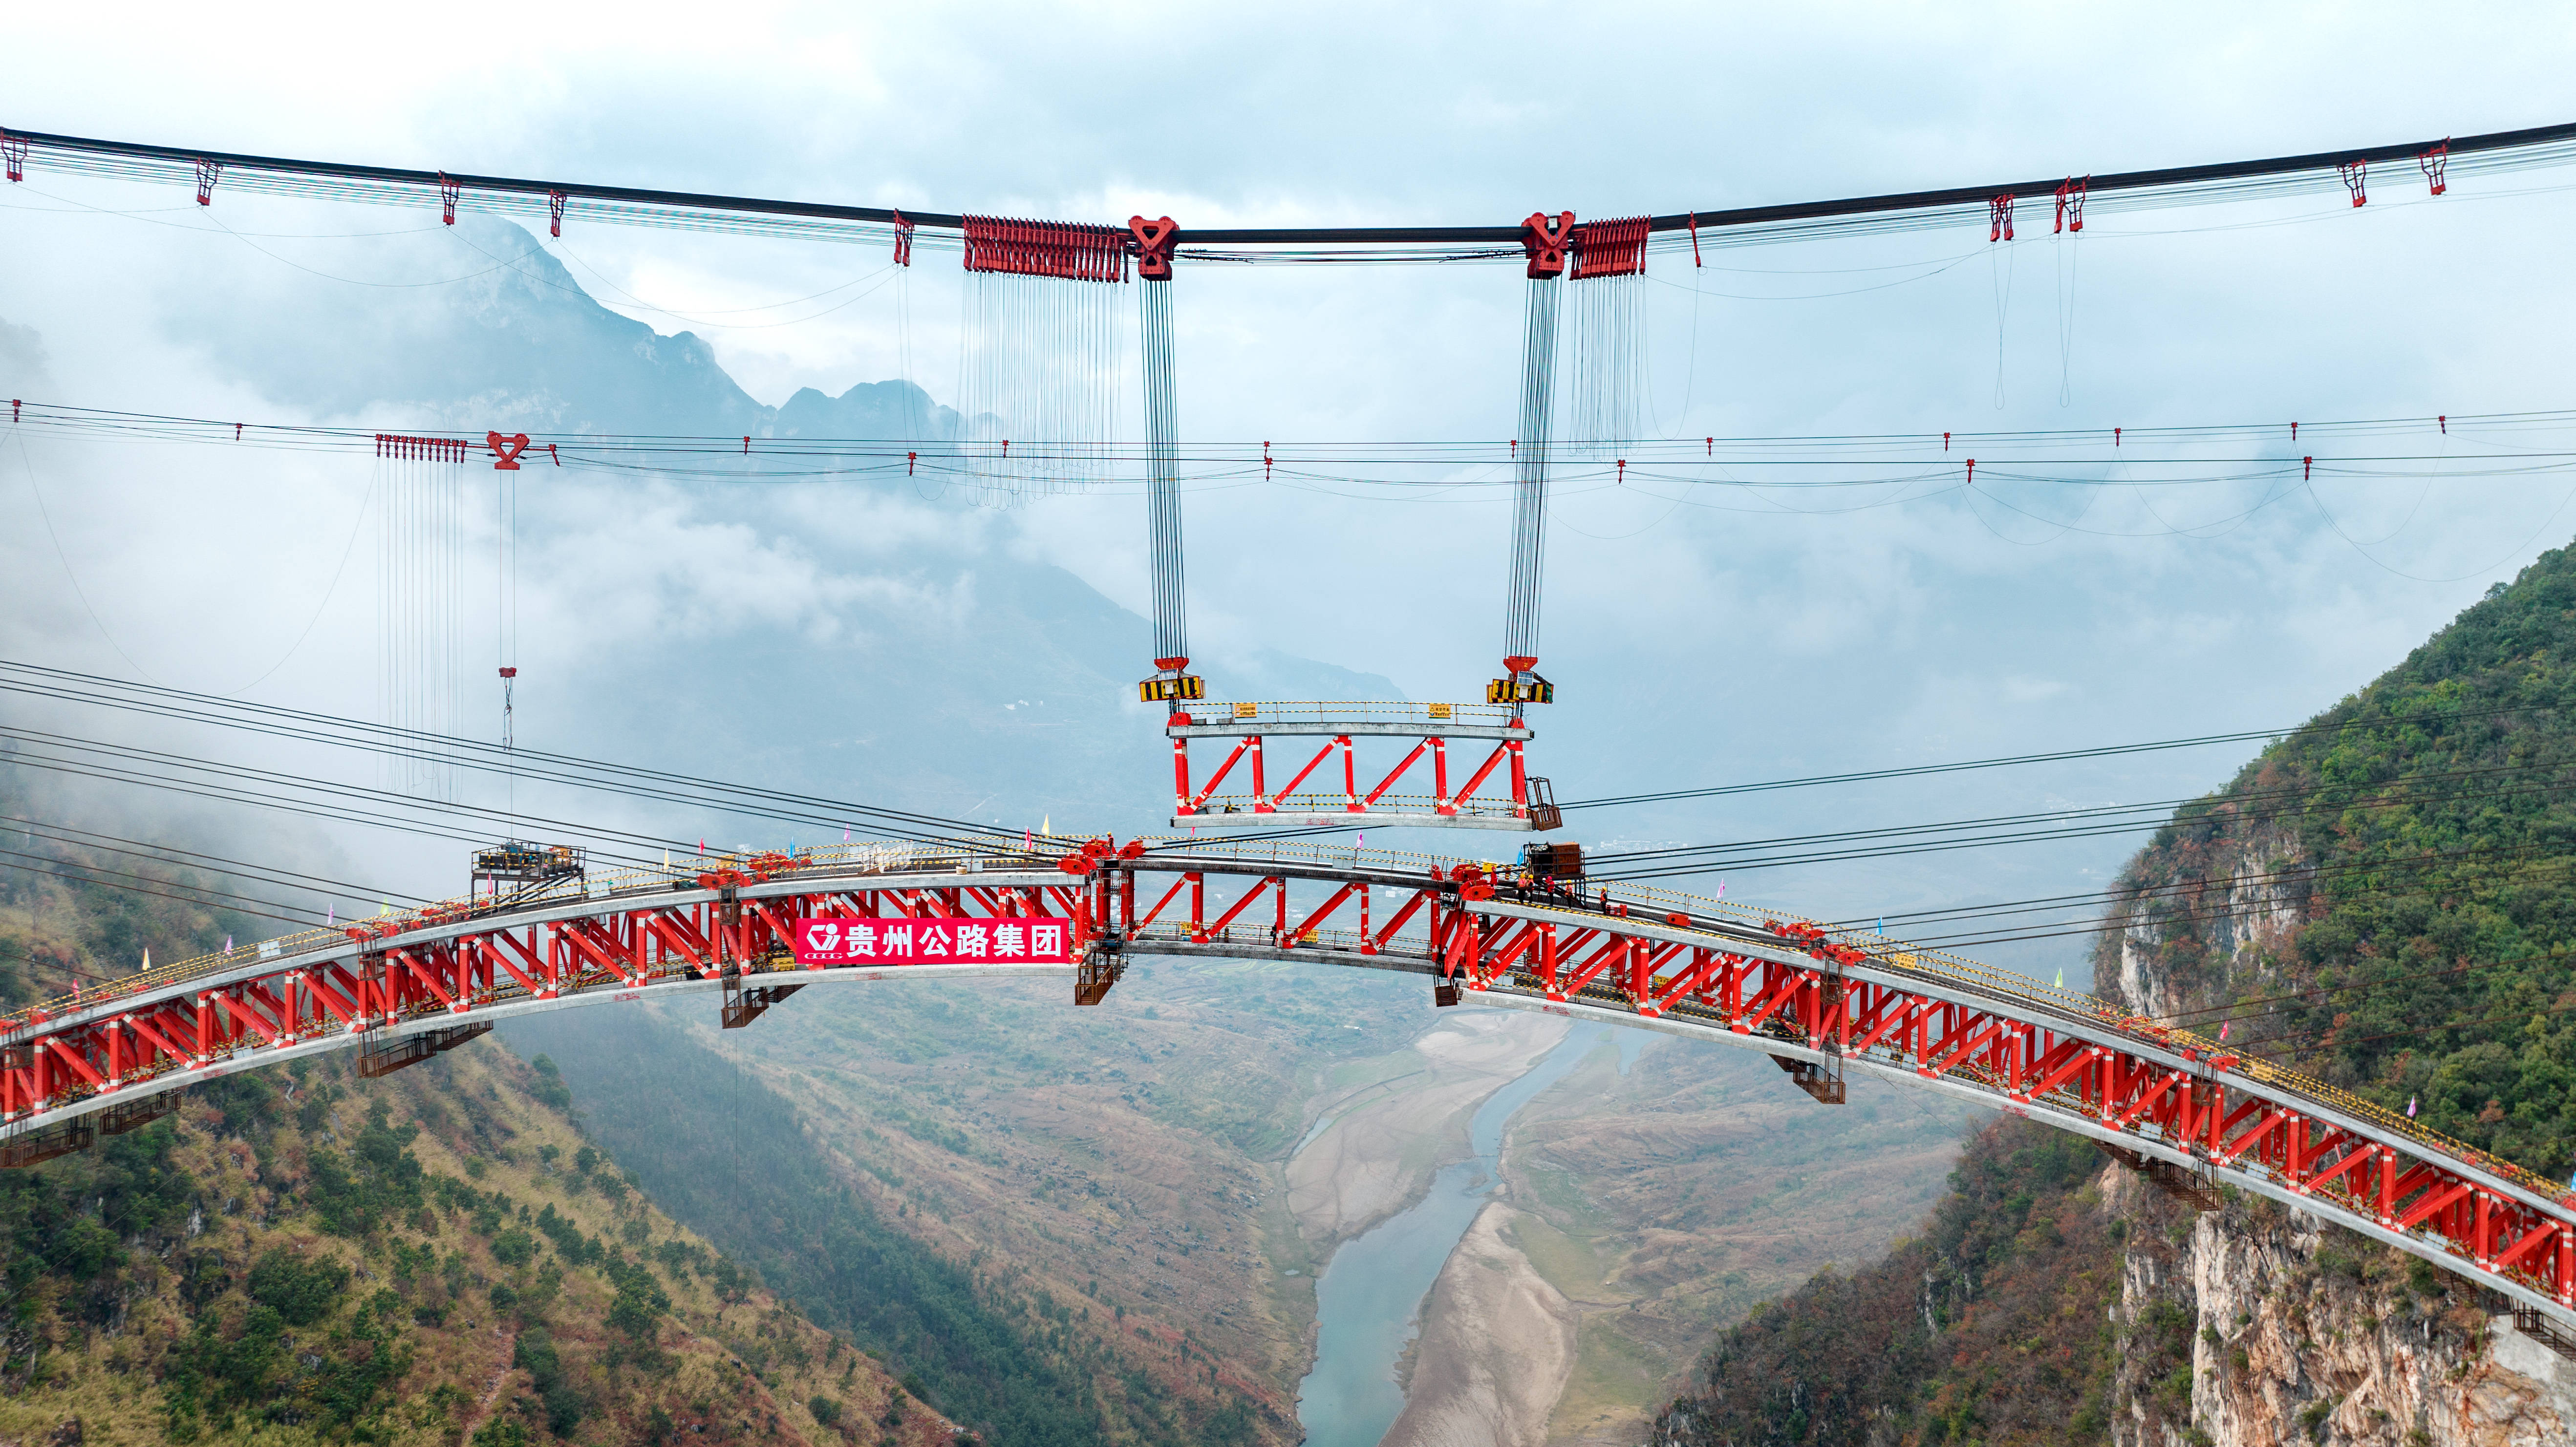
{"points": [[479, 326]]}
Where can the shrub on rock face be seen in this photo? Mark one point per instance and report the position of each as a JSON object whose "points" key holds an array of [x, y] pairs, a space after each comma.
{"points": [[301, 1290]]}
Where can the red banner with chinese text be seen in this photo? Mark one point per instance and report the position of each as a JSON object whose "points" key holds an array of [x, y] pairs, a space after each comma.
{"points": [[934, 942]]}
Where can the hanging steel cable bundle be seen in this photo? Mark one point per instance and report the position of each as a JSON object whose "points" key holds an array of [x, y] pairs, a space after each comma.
{"points": [[420, 602], [1544, 238], [1040, 356], [1172, 683], [1607, 268]]}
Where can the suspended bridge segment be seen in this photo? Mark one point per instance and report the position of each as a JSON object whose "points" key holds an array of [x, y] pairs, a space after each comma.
{"points": [[1822, 1003]]}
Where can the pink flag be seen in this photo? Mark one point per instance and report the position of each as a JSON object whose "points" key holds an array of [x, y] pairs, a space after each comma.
{"points": [[2222, 1033], [2410, 1107]]}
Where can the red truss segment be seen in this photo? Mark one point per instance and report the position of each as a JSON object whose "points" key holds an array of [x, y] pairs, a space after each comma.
{"points": [[1609, 248], [1821, 1002], [1518, 800], [1067, 250]]}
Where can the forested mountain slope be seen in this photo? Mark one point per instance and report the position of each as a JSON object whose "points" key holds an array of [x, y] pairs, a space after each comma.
{"points": [[1988, 1327], [440, 1256], [2383, 899]]}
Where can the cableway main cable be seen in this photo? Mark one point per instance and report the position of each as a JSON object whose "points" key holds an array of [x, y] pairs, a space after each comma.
{"points": [[2106, 191]]}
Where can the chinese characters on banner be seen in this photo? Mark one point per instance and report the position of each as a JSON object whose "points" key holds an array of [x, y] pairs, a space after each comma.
{"points": [[934, 941]]}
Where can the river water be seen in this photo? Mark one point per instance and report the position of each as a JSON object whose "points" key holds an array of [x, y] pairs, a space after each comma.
{"points": [[1371, 1292]]}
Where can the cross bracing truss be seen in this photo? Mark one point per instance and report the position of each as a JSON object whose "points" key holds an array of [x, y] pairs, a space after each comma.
{"points": [[1325, 784], [1824, 1003]]}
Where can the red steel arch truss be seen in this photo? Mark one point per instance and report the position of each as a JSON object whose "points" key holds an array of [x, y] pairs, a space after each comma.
{"points": [[1821, 1002]]}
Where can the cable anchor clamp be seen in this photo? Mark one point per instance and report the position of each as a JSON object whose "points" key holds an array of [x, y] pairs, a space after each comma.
{"points": [[2434, 160], [1154, 241], [506, 449], [1545, 238]]}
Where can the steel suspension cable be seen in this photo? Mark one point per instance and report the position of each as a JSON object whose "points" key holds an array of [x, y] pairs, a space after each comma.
{"points": [[179, 704], [2221, 181], [1162, 477], [1529, 490]]}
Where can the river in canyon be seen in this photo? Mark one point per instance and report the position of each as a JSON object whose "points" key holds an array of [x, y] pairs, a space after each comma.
{"points": [[1370, 1297]]}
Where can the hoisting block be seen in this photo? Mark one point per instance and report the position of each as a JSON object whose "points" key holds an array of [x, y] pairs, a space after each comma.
{"points": [[2184, 1186], [742, 1006], [1824, 1082], [411, 1050], [1099, 970]]}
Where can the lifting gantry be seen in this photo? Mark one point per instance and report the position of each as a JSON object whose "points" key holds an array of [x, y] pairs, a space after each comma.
{"points": [[1498, 792]]}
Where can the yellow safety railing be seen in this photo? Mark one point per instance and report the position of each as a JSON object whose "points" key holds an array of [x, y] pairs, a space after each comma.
{"points": [[1429, 715]]}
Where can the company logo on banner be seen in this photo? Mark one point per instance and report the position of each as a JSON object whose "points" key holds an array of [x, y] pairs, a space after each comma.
{"points": [[934, 941]]}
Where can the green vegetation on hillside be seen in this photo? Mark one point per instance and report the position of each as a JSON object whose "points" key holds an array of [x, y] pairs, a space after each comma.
{"points": [[297, 1256], [1989, 1329], [2423, 847], [727, 1154]]}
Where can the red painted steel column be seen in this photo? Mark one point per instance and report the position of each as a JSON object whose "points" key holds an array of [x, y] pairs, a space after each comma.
{"points": [[2387, 1187]]}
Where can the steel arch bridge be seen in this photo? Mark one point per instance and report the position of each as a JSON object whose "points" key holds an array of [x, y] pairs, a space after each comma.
{"points": [[1822, 1003]]}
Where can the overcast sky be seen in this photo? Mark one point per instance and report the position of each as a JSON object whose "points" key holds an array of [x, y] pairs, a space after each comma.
{"points": [[1698, 636]]}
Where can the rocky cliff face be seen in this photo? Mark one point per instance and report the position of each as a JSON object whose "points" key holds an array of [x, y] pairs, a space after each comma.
{"points": [[2253, 1324]]}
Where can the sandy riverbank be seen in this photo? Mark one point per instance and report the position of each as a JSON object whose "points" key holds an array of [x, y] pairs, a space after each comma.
{"points": [[1379, 1153], [1497, 1346]]}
